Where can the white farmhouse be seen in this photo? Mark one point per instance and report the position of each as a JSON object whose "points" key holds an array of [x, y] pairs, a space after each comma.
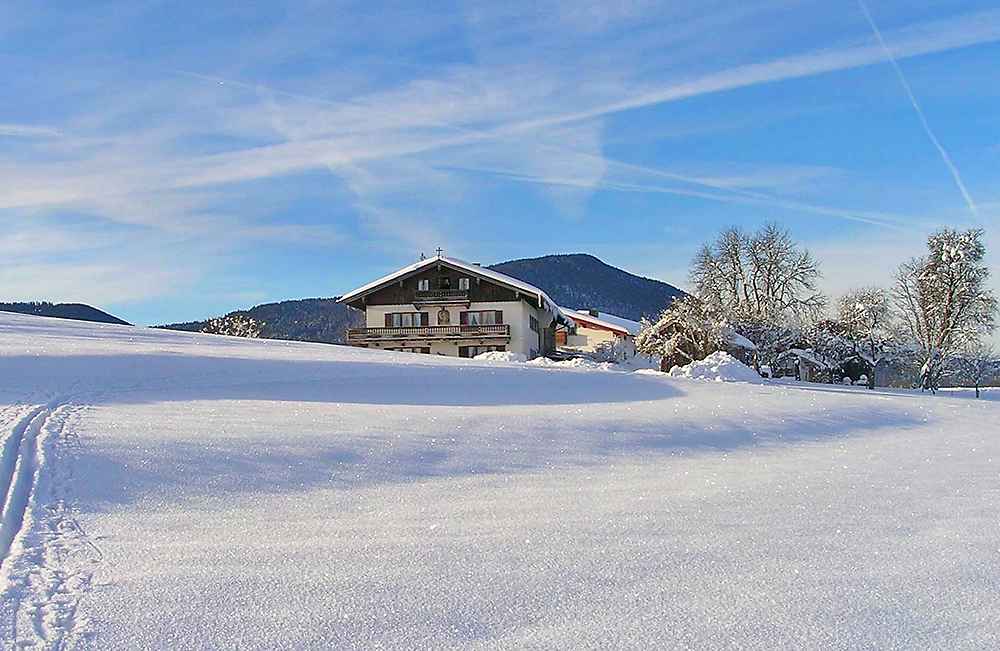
{"points": [[596, 329], [445, 306]]}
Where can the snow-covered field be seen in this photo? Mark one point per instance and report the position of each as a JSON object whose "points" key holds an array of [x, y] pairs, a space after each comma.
{"points": [[179, 491]]}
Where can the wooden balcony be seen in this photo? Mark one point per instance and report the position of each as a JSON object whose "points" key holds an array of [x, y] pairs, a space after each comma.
{"points": [[441, 297], [357, 336]]}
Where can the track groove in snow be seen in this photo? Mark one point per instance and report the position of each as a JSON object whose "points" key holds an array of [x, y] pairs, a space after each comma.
{"points": [[17, 474], [45, 558]]}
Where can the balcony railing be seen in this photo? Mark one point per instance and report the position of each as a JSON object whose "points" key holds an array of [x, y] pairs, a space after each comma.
{"points": [[357, 336], [441, 297]]}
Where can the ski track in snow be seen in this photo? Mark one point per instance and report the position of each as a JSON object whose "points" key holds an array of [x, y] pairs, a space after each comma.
{"points": [[41, 576]]}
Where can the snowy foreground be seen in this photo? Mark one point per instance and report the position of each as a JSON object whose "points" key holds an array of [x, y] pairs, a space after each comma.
{"points": [[176, 491]]}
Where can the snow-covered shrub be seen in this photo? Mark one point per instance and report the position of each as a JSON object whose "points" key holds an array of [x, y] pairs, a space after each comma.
{"points": [[689, 330], [613, 351], [234, 325]]}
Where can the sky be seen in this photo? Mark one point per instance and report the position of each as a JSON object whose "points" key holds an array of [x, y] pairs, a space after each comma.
{"points": [[173, 161]]}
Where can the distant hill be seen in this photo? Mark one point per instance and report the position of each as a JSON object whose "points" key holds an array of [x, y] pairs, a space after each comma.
{"points": [[311, 319], [76, 311], [580, 280]]}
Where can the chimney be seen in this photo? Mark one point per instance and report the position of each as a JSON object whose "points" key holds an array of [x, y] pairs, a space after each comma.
{"points": [[477, 264], [594, 313]]}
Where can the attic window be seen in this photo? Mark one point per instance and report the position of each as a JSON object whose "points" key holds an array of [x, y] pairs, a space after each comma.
{"points": [[463, 283], [423, 285]]}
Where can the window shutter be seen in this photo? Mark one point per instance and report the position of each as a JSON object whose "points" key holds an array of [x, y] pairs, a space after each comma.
{"points": [[388, 320], [499, 317], [463, 319], [425, 318]]}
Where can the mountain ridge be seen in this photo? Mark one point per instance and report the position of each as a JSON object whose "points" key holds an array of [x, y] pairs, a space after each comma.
{"points": [[74, 311], [583, 281]]}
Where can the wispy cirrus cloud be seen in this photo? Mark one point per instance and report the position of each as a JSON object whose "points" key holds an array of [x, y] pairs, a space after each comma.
{"points": [[939, 36], [28, 131], [448, 113]]}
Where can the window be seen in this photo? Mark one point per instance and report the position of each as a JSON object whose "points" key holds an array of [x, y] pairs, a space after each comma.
{"points": [[407, 319], [423, 285], [472, 351], [463, 283], [415, 349], [482, 317], [533, 323]]}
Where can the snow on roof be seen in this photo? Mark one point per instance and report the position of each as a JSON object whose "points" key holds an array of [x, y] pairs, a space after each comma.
{"points": [[609, 321], [804, 354], [738, 340], [543, 298]]}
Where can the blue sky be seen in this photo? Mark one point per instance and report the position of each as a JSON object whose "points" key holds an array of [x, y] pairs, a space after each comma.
{"points": [[171, 161]]}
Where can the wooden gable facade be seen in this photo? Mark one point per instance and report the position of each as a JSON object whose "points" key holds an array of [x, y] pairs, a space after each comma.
{"points": [[440, 277]]}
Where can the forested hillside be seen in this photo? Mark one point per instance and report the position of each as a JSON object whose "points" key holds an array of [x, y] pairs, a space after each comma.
{"points": [[310, 319], [580, 280]]}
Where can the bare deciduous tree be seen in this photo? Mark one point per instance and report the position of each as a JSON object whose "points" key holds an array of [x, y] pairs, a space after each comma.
{"points": [[761, 276], [866, 316], [943, 299], [758, 281], [977, 364]]}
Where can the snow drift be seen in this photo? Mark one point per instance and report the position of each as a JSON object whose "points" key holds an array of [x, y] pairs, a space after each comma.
{"points": [[579, 363], [718, 367], [501, 356]]}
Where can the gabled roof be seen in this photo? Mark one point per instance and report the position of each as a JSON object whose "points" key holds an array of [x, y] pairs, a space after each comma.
{"points": [[607, 321], [473, 270], [802, 354], [739, 341]]}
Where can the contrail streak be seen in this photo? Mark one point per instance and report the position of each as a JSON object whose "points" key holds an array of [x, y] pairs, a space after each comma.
{"points": [[913, 100]]}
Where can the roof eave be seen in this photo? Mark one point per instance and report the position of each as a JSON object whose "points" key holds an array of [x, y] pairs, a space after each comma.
{"points": [[519, 287]]}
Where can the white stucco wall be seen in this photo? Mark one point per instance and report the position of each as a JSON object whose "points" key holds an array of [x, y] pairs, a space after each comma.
{"points": [[589, 339], [523, 339]]}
